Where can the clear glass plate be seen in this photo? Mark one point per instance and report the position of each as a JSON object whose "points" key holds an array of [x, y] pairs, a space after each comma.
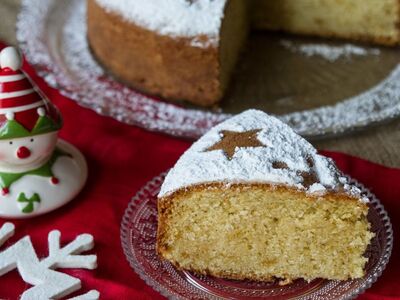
{"points": [[138, 238], [315, 96]]}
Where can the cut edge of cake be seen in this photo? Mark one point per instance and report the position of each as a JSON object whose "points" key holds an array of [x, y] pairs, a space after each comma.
{"points": [[235, 260], [374, 21]]}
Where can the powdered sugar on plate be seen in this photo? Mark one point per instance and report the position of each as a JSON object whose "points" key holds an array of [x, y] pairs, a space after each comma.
{"points": [[52, 35], [329, 52]]}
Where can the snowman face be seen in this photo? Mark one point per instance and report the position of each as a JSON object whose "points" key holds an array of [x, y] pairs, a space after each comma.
{"points": [[22, 154]]}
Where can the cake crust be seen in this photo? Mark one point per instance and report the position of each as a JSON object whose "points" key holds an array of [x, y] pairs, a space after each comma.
{"points": [[158, 64]]}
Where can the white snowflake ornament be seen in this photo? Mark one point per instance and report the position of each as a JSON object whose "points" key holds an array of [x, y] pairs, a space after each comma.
{"points": [[48, 283]]}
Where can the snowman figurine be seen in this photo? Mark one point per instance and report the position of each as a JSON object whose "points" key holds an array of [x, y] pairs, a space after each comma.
{"points": [[38, 172]]}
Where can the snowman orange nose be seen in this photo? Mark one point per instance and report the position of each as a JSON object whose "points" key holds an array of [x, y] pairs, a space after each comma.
{"points": [[23, 152]]}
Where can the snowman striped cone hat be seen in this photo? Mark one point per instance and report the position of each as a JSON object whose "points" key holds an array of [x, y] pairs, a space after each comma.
{"points": [[24, 111]]}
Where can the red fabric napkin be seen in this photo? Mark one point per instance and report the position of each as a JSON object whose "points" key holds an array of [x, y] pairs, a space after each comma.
{"points": [[121, 160]]}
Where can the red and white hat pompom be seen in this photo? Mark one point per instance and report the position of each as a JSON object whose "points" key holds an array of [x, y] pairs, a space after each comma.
{"points": [[10, 58]]}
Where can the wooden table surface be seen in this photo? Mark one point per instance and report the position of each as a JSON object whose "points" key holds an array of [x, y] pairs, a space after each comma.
{"points": [[379, 144]]}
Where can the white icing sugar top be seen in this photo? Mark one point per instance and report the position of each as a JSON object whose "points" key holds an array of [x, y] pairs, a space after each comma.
{"points": [[296, 156], [177, 18]]}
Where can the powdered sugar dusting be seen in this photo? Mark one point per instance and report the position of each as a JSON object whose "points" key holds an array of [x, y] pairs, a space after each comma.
{"points": [[256, 164], [177, 18], [329, 52]]}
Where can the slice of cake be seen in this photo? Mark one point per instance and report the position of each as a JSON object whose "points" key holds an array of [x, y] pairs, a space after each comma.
{"points": [[251, 199]]}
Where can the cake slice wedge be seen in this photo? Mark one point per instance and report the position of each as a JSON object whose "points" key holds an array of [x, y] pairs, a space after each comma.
{"points": [[251, 199]]}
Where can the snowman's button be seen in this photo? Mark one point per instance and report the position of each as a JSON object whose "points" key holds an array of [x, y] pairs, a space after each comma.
{"points": [[55, 180], [5, 191]]}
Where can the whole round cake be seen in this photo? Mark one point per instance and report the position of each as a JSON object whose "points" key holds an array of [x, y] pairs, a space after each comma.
{"points": [[187, 49], [253, 200]]}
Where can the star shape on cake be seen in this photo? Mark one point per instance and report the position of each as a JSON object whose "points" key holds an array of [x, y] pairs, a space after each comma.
{"points": [[231, 140]]}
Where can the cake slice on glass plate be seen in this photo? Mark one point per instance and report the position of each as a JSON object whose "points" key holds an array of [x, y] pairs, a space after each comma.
{"points": [[251, 199]]}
